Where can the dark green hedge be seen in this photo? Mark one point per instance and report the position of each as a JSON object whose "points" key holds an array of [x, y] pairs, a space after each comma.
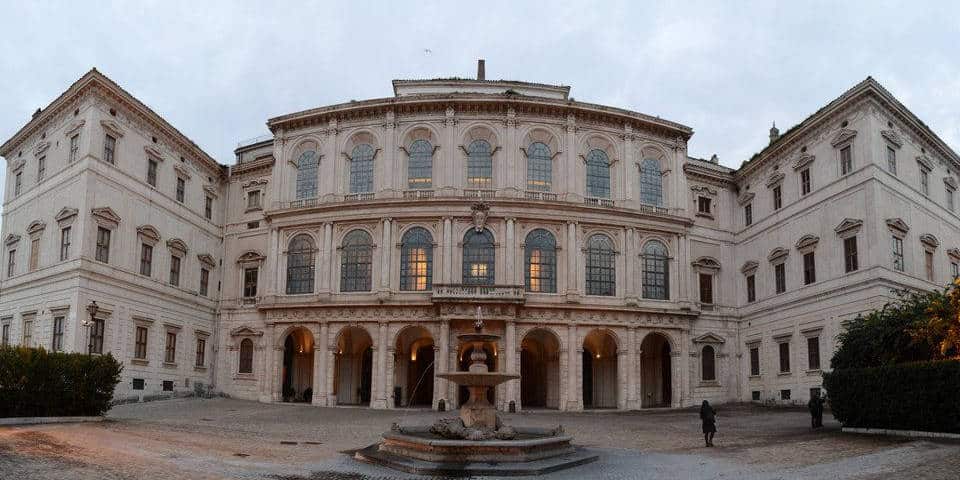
{"points": [[37, 383], [922, 396]]}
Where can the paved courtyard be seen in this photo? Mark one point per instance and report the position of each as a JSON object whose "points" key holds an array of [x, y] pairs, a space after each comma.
{"points": [[222, 438]]}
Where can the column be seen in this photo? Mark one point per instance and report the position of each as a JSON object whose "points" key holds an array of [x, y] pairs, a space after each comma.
{"points": [[630, 261], [681, 265], [511, 359], [573, 388], [629, 167], [390, 364], [385, 253], [331, 367], [447, 272], [379, 380], [320, 353], [631, 360], [325, 255], [272, 264], [573, 158], [265, 352], [388, 155], [573, 277], [511, 254], [441, 355], [622, 382]]}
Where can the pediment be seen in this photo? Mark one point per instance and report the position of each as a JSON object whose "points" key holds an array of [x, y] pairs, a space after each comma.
{"points": [[250, 257], [206, 259], [707, 263], [153, 152], [17, 165], [36, 226], [929, 240], [182, 170], [749, 267], [105, 214], [954, 253], [807, 241], [177, 245], [254, 183], [210, 190], [66, 213], [893, 137], [746, 198], [40, 148], [112, 127], [12, 239], [703, 189], [804, 160], [950, 182], [897, 225], [75, 127], [775, 179], [245, 331], [149, 231], [925, 162], [778, 254], [848, 226], [709, 337], [844, 136]]}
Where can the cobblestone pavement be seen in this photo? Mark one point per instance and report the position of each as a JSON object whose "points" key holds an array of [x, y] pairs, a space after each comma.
{"points": [[221, 438]]}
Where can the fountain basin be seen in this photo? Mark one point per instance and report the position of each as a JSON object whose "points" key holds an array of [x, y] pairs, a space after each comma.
{"points": [[478, 379]]}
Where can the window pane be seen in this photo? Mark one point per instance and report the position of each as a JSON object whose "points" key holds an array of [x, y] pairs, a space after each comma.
{"points": [[708, 364], [598, 174], [307, 175], [356, 262], [300, 265], [539, 167], [479, 165], [540, 260], [655, 271], [651, 182], [416, 260], [361, 169], [478, 258], [420, 170], [601, 268]]}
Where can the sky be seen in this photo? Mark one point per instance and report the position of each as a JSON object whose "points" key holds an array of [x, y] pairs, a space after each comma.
{"points": [[218, 70]]}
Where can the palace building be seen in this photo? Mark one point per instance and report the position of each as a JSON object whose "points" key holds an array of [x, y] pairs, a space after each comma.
{"points": [[336, 261]]}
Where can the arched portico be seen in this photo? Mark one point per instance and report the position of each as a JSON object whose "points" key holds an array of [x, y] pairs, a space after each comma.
{"points": [[353, 371], [600, 370], [413, 371], [656, 371], [540, 370], [296, 375]]}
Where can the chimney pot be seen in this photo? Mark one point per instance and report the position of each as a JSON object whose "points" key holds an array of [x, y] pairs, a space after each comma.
{"points": [[481, 70]]}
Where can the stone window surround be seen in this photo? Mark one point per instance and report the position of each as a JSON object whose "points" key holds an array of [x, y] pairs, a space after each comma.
{"points": [[205, 336], [175, 329], [898, 227], [258, 185], [249, 259], [113, 129], [843, 139], [145, 322], [707, 266], [707, 192], [758, 344], [814, 332], [103, 313], [780, 339], [237, 336], [717, 342]]}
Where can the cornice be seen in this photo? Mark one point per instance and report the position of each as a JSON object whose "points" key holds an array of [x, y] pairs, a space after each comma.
{"points": [[707, 175]]}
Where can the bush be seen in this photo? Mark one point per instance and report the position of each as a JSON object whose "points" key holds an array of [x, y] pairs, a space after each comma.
{"points": [[911, 396], [37, 383]]}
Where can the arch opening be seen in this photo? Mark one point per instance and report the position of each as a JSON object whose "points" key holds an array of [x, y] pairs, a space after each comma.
{"points": [[297, 375], [655, 371], [599, 370], [413, 371], [353, 371], [540, 370]]}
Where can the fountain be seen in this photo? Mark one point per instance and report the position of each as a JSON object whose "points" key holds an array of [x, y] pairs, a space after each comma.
{"points": [[477, 442]]}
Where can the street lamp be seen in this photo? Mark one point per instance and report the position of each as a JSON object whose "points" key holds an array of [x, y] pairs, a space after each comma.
{"points": [[92, 310]]}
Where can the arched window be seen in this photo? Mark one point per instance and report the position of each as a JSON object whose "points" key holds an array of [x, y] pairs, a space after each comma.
{"points": [[539, 167], [601, 269], [540, 260], [478, 258], [300, 265], [479, 164], [356, 262], [651, 182], [656, 276], [598, 174], [246, 356], [708, 364], [420, 169], [361, 168], [307, 175], [416, 260]]}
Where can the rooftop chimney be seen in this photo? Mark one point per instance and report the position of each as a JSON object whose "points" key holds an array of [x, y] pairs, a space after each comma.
{"points": [[481, 71], [774, 133]]}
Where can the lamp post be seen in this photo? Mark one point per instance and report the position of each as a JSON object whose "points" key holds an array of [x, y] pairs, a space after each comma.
{"points": [[92, 310]]}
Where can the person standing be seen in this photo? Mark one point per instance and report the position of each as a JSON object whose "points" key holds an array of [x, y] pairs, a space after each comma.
{"points": [[709, 417], [815, 405]]}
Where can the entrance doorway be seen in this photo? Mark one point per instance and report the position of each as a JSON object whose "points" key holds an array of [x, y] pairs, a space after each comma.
{"points": [[297, 375], [540, 370], [656, 375], [353, 370], [599, 370], [414, 368]]}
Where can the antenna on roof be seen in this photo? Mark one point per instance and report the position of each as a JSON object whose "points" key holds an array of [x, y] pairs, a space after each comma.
{"points": [[481, 69]]}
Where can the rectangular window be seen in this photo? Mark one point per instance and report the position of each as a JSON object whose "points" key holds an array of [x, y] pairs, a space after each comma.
{"points": [[204, 281], [201, 352], [751, 288], [954, 270], [140, 348], [74, 147], [138, 384], [951, 203], [109, 148], [103, 245], [28, 333], [755, 361], [250, 282], [170, 353], [896, 249], [57, 344], [809, 268], [777, 197], [146, 259], [785, 394], [181, 189], [851, 263], [706, 288], [846, 160], [17, 184], [780, 275], [5, 337], [152, 172], [167, 385], [253, 199], [805, 181], [924, 181], [64, 243], [928, 264], [41, 168], [784, 357], [755, 395], [175, 270], [208, 207], [813, 353], [891, 160], [96, 335], [703, 205], [252, 225], [748, 214], [34, 254], [11, 263]]}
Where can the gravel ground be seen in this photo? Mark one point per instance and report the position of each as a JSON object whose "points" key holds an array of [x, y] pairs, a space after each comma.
{"points": [[221, 438]]}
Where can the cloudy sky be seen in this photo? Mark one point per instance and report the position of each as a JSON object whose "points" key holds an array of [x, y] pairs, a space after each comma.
{"points": [[219, 70]]}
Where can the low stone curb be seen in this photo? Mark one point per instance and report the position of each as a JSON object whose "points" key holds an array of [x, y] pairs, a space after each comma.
{"points": [[5, 422], [902, 433]]}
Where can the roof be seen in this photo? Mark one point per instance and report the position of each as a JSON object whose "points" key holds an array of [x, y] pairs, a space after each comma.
{"points": [[93, 79]]}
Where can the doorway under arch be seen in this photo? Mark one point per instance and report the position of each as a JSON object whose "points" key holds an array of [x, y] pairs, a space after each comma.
{"points": [[353, 371], [599, 370], [414, 367], [540, 370], [656, 387], [297, 374]]}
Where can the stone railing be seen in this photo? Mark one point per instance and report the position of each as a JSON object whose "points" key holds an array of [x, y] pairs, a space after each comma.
{"points": [[458, 292], [417, 194], [543, 196], [357, 197], [654, 209], [479, 193], [598, 202], [301, 203]]}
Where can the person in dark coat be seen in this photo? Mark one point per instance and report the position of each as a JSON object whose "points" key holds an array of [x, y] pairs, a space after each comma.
{"points": [[815, 405], [709, 417]]}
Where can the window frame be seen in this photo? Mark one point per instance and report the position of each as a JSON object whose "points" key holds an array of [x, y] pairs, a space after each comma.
{"points": [[780, 277], [152, 168], [813, 355], [246, 291], [176, 266], [655, 271], [420, 165], [851, 259], [783, 351], [543, 243], [708, 364], [301, 265], [356, 262], [480, 164], [539, 167], [777, 191], [245, 360], [103, 244], [140, 342], [416, 260], [146, 259], [109, 149], [361, 169], [806, 183], [181, 192], [896, 252], [600, 266], [170, 348], [482, 252], [751, 288], [809, 260], [846, 159], [65, 243], [56, 342], [598, 174]]}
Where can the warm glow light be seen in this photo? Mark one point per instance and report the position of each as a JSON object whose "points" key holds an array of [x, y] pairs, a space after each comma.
{"points": [[598, 355], [413, 356], [535, 271], [418, 260], [479, 181], [478, 270]]}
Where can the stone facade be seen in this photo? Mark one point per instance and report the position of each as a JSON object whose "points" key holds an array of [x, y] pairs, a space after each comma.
{"points": [[345, 253]]}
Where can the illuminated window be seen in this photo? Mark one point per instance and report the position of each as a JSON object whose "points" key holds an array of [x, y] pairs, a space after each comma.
{"points": [[478, 258], [540, 257], [416, 260]]}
